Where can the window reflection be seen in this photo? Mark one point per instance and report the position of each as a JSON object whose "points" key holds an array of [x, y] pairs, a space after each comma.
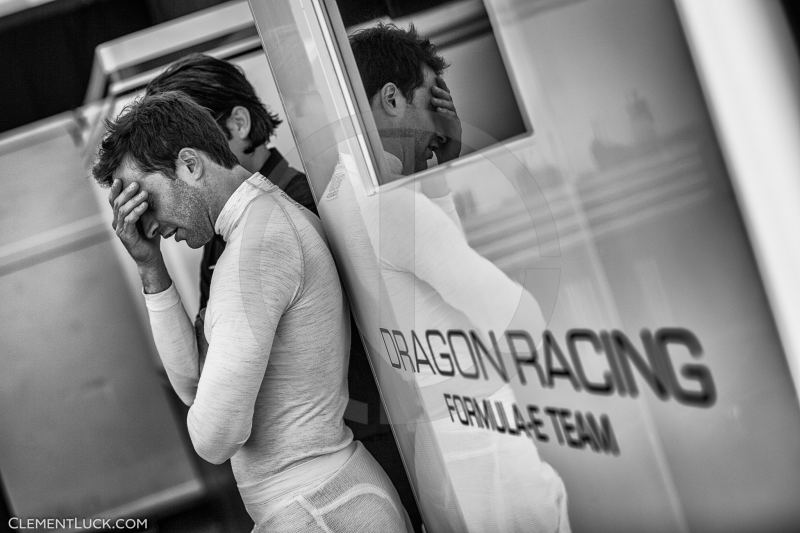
{"points": [[429, 82]]}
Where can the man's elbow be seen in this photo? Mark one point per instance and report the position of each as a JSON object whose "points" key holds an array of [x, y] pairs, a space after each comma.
{"points": [[213, 454], [217, 447], [184, 387], [186, 397]]}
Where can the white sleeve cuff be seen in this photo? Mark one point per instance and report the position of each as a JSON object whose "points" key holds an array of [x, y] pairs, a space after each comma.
{"points": [[161, 301]]}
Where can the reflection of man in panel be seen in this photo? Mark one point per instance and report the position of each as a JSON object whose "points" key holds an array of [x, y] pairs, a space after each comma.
{"points": [[410, 101], [273, 388], [411, 256]]}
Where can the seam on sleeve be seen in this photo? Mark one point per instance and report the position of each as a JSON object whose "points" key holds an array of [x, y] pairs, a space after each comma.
{"points": [[298, 243]]}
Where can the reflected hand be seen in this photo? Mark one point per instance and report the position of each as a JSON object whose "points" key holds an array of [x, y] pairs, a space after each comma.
{"points": [[450, 123], [128, 206]]}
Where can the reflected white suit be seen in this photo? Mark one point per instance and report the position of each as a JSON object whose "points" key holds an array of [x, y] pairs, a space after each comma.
{"points": [[409, 267]]}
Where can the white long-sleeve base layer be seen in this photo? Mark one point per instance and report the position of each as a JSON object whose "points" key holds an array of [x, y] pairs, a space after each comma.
{"points": [[273, 388]]}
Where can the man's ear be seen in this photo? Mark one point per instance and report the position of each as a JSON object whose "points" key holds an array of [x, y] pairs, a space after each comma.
{"points": [[239, 123], [189, 166], [391, 100]]}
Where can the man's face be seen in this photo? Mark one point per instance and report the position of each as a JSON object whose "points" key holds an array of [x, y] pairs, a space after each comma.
{"points": [[415, 126], [174, 208]]}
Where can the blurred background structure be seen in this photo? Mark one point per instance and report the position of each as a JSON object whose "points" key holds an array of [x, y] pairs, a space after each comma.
{"points": [[47, 46]]}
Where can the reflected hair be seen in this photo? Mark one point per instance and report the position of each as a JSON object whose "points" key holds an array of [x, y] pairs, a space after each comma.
{"points": [[153, 130], [219, 86], [386, 53]]}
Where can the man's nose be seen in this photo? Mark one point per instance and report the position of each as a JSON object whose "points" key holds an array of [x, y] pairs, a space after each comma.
{"points": [[149, 225]]}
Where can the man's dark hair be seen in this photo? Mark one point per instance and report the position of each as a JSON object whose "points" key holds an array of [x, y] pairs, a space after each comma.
{"points": [[387, 53], [218, 86], [153, 130]]}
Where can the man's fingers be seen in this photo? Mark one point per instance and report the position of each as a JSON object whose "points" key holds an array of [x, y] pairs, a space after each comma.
{"points": [[441, 102], [128, 226], [125, 195], [121, 199], [116, 185], [449, 116], [133, 217], [441, 83], [441, 93], [128, 207]]}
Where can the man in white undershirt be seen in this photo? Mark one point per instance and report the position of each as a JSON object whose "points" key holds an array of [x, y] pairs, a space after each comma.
{"points": [[272, 391]]}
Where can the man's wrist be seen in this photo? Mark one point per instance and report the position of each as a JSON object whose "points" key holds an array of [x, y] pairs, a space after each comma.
{"points": [[154, 275], [435, 186]]}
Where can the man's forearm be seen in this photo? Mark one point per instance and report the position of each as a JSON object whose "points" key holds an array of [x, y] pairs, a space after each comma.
{"points": [[173, 335], [172, 331]]}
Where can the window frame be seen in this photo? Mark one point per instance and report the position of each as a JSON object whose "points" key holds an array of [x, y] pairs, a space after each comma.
{"points": [[330, 19]]}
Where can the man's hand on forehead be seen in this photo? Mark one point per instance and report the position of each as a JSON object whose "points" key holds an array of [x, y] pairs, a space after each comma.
{"points": [[128, 205], [449, 122]]}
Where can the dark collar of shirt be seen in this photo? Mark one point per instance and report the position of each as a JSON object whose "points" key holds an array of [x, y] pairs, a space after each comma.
{"points": [[293, 182], [277, 170]]}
